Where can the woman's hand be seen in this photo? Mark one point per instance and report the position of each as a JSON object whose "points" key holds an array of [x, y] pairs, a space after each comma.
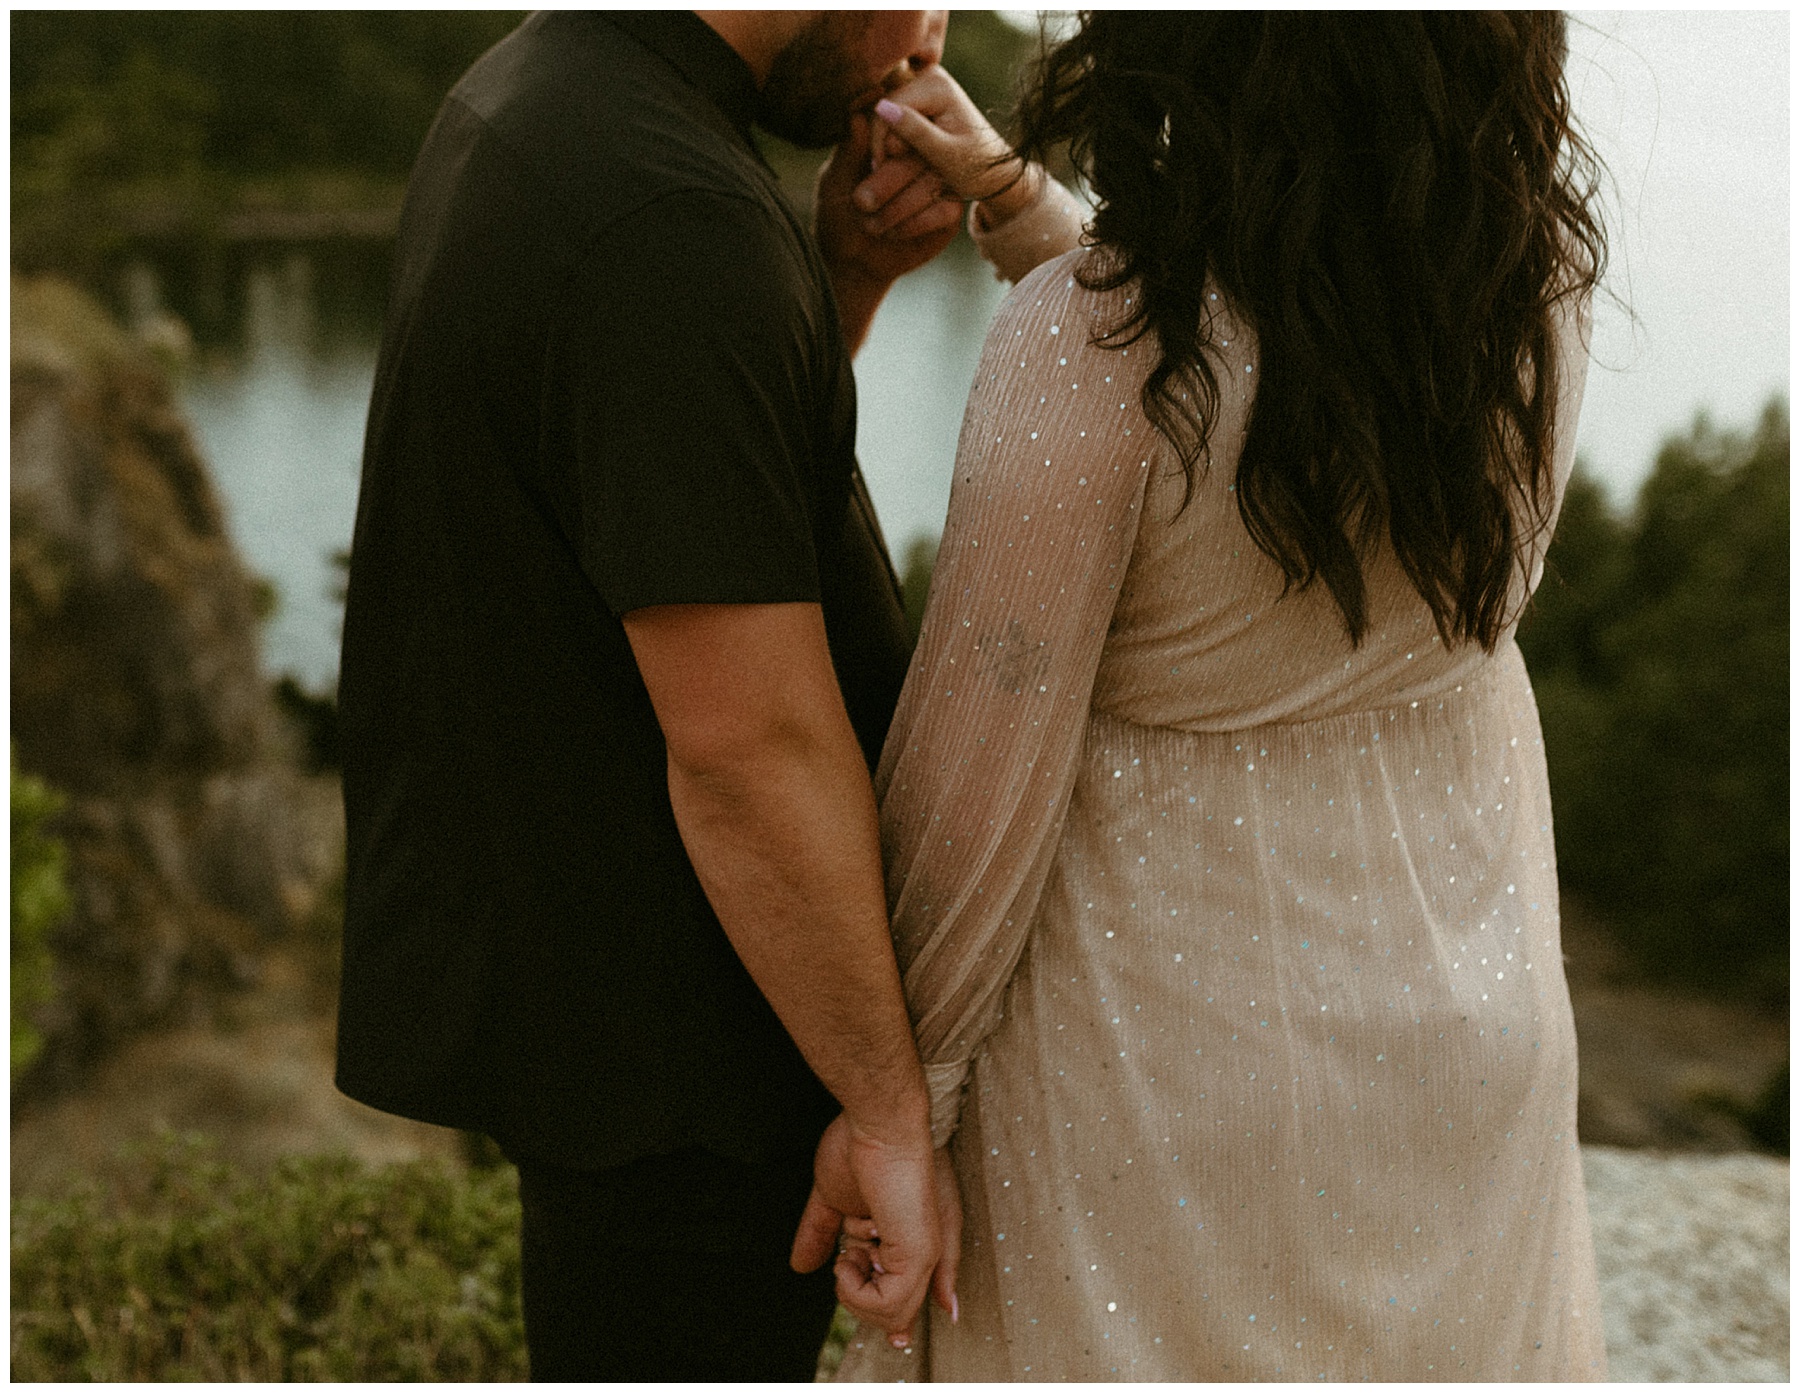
{"points": [[860, 1244], [932, 118]]}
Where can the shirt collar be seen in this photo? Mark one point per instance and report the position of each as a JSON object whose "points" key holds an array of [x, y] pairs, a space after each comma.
{"points": [[694, 49]]}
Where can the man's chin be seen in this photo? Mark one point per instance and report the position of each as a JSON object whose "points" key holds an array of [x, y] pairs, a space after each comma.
{"points": [[808, 133], [819, 125]]}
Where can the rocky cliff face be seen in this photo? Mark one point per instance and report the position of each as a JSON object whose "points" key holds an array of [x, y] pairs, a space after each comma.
{"points": [[137, 690]]}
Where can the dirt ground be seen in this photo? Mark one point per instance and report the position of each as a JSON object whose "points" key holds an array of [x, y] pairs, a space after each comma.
{"points": [[1692, 1256], [1658, 1070], [257, 1080]]}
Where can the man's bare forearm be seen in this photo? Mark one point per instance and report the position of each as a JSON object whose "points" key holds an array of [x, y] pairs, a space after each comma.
{"points": [[775, 809], [773, 800], [784, 839]]}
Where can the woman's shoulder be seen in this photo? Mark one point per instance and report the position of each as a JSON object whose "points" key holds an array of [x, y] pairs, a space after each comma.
{"points": [[1055, 387], [1054, 307], [1055, 283]]}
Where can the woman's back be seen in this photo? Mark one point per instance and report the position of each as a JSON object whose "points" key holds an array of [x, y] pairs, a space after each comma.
{"points": [[1203, 637]]}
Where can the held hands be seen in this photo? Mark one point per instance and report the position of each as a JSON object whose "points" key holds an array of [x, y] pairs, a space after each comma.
{"points": [[932, 120], [891, 196], [856, 251], [901, 1217]]}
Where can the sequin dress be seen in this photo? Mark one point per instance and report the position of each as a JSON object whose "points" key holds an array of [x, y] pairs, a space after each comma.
{"points": [[1246, 940]]}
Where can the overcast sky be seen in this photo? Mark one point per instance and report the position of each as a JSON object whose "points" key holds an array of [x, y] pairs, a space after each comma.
{"points": [[1689, 109]]}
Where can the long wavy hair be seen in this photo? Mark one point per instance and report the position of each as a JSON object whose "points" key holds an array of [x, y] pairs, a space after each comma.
{"points": [[1395, 203]]}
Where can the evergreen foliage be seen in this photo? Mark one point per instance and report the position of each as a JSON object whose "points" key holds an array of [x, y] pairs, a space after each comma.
{"points": [[40, 901], [1658, 648], [988, 56], [132, 93]]}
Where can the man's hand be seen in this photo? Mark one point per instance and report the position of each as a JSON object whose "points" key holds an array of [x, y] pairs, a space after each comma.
{"points": [[900, 1208], [864, 261]]}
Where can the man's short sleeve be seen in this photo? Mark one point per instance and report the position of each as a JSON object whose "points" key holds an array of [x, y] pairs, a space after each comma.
{"points": [[690, 355]]}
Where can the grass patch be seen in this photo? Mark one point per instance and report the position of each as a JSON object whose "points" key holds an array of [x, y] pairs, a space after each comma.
{"points": [[324, 1270], [186, 1268]]}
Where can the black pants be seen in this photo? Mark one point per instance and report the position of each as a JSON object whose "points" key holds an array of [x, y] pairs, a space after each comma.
{"points": [[669, 1268]]}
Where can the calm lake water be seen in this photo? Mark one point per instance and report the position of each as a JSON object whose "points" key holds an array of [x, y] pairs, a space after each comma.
{"points": [[280, 389]]}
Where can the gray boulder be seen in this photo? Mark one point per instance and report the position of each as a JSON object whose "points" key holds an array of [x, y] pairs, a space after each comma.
{"points": [[1693, 1259]]}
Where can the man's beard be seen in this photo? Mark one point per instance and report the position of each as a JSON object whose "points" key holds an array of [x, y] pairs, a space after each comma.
{"points": [[816, 82]]}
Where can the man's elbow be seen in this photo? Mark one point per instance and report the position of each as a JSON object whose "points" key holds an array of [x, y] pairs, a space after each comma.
{"points": [[733, 758]]}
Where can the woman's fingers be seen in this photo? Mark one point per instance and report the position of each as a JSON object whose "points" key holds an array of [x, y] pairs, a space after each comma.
{"points": [[860, 1287], [875, 1295], [915, 198], [949, 1197], [938, 147], [938, 218], [933, 91], [974, 162]]}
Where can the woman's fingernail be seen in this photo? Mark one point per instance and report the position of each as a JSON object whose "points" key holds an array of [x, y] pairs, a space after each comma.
{"points": [[880, 1270], [888, 111], [899, 1341], [955, 1309]]}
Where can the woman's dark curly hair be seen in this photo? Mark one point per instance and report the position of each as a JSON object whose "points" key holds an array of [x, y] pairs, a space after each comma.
{"points": [[1395, 203]]}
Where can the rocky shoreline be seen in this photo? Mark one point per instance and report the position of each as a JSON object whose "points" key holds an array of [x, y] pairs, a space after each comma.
{"points": [[195, 835]]}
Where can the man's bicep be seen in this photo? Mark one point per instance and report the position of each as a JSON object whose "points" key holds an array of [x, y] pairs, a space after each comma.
{"points": [[730, 681]]}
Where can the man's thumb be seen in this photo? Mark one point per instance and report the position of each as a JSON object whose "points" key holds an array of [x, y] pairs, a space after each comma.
{"points": [[816, 1238]]}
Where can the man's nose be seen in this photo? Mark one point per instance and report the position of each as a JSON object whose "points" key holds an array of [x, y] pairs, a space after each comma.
{"points": [[930, 48]]}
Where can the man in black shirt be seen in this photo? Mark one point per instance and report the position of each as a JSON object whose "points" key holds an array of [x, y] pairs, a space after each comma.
{"points": [[621, 643]]}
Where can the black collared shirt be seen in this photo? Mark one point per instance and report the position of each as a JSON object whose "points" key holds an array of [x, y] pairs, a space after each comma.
{"points": [[612, 376]]}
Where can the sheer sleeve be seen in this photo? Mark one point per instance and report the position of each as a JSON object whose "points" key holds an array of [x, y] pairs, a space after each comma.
{"points": [[1051, 226], [976, 773]]}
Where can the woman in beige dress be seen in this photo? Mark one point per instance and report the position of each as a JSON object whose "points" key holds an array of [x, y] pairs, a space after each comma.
{"points": [[1215, 814]]}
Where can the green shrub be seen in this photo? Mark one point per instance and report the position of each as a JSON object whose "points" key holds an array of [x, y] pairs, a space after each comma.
{"points": [[129, 94], [324, 1270], [988, 56], [837, 1343], [40, 901]]}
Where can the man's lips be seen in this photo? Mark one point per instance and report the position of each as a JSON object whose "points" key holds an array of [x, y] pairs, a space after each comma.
{"points": [[899, 75]]}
